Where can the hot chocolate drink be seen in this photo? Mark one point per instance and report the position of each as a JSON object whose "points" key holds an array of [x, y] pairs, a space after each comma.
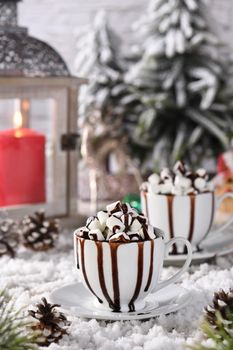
{"points": [[118, 223], [178, 181], [120, 257], [180, 203]]}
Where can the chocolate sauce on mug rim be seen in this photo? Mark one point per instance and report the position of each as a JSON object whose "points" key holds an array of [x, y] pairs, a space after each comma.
{"points": [[115, 303], [176, 195], [119, 242]]}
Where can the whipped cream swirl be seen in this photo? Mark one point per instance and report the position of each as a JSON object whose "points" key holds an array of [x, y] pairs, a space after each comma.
{"points": [[118, 223], [178, 181]]}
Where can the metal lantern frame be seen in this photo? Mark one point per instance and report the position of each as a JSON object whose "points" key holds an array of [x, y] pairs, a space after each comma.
{"points": [[65, 91], [32, 69]]}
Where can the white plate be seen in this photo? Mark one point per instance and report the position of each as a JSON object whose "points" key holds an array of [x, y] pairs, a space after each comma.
{"points": [[220, 244], [81, 303]]}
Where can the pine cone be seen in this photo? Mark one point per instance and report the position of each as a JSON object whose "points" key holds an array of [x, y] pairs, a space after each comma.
{"points": [[9, 237], [51, 324], [40, 233], [223, 306]]}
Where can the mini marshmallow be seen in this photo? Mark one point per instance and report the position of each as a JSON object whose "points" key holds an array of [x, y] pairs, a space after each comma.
{"points": [[154, 179], [115, 224], [142, 230], [118, 214], [183, 182], [166, 175], [119, 237], [136, 225], [200, 183], [93, 223], [102, 217], [179, 168], [107, 233], [83, 232], [177, 191], [96, 235], [166, 188], [127, 219], [154, 188], [112, 206], [134, 236], [134, 213], [202, 173]]}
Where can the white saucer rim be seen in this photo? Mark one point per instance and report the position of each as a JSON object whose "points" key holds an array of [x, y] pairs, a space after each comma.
{"points": [[199, 256], [221, 250], [111, 316]]}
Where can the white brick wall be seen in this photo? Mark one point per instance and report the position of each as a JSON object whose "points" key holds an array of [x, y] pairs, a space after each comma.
{"points": [[55, 21]]}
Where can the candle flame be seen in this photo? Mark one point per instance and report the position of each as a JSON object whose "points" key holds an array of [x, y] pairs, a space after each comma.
{"points": [[18, 120]]}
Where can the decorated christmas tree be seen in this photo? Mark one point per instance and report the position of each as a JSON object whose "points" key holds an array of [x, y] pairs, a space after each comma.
{"points": [[183, 83], [98, 59], [108, 112]]}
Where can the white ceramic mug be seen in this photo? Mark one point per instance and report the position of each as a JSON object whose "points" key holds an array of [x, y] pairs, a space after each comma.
{"points": [[188, 216], [121, 275]]}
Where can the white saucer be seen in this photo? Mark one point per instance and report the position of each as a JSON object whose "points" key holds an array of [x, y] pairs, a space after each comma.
{"points": [[214, 246], [80, 302]]}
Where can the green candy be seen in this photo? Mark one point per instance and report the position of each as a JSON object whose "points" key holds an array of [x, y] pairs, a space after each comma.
{"points": [[133, 199]]}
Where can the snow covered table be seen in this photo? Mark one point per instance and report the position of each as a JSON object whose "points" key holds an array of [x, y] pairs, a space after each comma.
{"points": [[33, 275]]}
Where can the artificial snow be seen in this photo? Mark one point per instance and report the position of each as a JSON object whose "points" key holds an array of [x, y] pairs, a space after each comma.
{"points": [[32, 275]]}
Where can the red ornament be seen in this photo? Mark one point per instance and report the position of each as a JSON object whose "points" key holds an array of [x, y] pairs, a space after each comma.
{"points": [[224, 180], [225, 164]]}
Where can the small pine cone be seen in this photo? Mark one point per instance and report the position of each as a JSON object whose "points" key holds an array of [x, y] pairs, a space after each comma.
{"points": [[9, 237], [51, 324], [39, 233], [222, 304]]}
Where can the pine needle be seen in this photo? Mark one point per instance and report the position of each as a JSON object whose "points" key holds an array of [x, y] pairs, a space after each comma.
{"points": [[15, 332]]}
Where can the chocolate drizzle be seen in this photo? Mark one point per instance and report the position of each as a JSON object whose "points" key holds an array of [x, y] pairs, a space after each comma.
{"points": [[77, 256], [139, 277], [124, 208], [151, 266], [101, 274], [115, 278], [145, 232], [82, 243], [126, 222], [192, 216], [170, 218], [115, 228], [116, 209]]}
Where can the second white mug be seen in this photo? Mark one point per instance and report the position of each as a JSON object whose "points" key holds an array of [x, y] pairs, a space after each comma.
{"points": [[188, 216]]}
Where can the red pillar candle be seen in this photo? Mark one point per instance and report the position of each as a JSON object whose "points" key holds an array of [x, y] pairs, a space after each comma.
{"points": [[22, 167]]}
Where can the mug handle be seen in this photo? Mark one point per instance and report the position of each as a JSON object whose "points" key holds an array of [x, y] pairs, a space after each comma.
{"points": [[219, 201], [184, 268]]}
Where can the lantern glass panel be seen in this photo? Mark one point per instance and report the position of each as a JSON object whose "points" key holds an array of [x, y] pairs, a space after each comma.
{"points": [[33, 167]]}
